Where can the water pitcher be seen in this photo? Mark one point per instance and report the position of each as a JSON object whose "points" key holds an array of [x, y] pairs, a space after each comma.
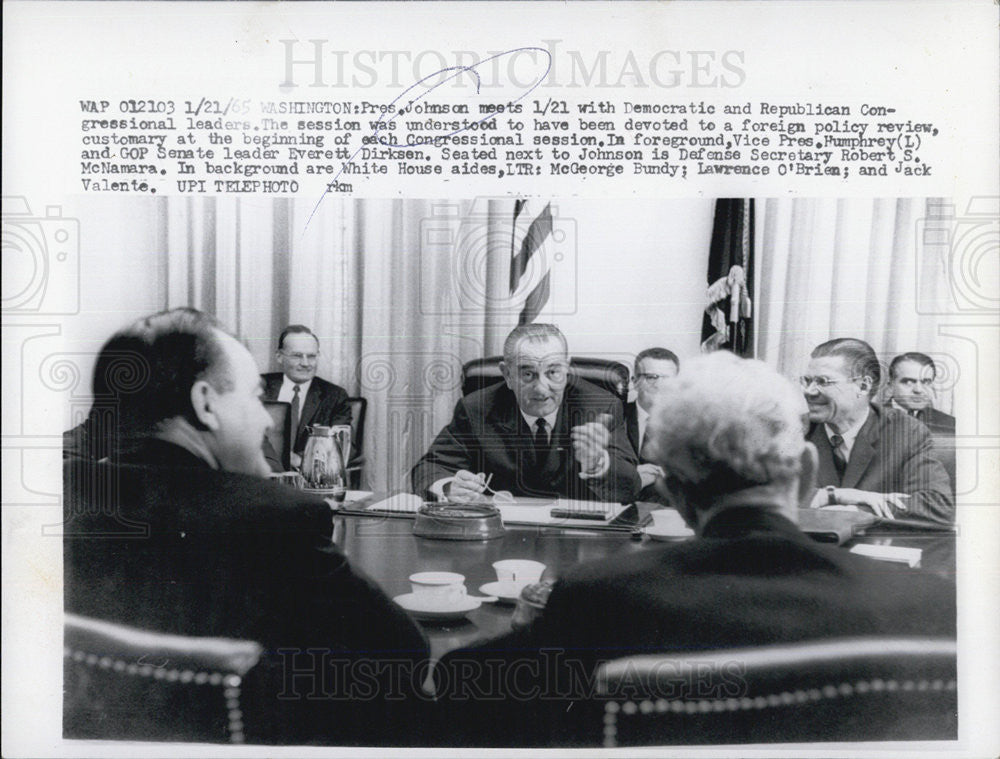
{"points": [[324, 461]]}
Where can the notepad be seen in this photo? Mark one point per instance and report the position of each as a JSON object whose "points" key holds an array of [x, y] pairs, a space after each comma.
{"points": [[895, 554], [564, 512]]}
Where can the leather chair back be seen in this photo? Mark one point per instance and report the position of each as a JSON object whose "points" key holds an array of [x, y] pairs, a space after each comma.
{"points": [[611, 376], [862, 689], [359, 410], [123, 683]]}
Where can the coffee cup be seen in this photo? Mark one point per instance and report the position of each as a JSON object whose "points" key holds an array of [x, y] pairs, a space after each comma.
{"points": [[518, 572], [437, 587]]}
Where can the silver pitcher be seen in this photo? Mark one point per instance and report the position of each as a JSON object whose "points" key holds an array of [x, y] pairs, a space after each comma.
{"points": [[324, 461]]}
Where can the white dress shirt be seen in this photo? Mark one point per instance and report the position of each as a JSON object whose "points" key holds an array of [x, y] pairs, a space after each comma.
{"points": [[288, 391], [849, 435]]}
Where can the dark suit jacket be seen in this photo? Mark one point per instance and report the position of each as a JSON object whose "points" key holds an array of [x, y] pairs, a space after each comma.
{"points": [[325, 404], [488, 434], [752, 579], [892, 454], [164, 542], [648, 493], [938, 422]]}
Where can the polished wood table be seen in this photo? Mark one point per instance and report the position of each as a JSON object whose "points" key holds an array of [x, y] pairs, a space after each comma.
{"points": [[386, 550]]}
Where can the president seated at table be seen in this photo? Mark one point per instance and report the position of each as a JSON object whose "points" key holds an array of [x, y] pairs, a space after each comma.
{"points": [[729, 437], [539, 433]]}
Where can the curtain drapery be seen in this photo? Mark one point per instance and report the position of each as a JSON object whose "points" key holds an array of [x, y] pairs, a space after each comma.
{"points": [[849, 267], [400, 294]]}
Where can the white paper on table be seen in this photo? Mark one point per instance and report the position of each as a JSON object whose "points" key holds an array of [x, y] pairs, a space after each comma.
{"points": [[899, 554], [538, 511], [401, 502]]}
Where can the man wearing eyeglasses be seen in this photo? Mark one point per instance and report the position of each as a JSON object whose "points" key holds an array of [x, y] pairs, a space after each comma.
{"points": [[313, 400], [653, 370], [539, 433], [876, 458]]}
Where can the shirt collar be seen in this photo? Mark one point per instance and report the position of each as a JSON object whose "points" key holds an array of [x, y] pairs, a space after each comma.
{"points": [[642, 416], [289, 385], [908, 412], [850, 434], [550, 420]]}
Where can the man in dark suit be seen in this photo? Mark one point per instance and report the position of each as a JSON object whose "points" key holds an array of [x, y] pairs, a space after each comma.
{"points": [[180, 532], [729, 439], [653, 370], [538, 433], [879, 459], [911, 389], [313, 400]]}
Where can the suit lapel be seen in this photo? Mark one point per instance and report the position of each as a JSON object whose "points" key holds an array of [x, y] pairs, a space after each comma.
{"points": [[632, 425], [505, 418], [272, 386], [863, 451], [309, 407], [827, 472]]}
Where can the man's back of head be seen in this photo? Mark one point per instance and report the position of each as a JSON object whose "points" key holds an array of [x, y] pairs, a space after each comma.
{"points": [[177, 375], [730, 433]]}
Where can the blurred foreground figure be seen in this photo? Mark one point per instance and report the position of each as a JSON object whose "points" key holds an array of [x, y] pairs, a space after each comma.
{"points": [[729, 438], [179, 533]]}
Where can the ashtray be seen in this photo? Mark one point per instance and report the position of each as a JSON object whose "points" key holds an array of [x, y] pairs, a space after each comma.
{"points": [[458, 521]]}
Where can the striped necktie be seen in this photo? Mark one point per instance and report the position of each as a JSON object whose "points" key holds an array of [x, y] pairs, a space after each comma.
{"points": [[839, 462], [295, 413], [541, 441]]}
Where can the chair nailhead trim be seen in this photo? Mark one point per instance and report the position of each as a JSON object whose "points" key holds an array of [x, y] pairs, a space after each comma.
{"points": [[231, 681], [830, 691]]}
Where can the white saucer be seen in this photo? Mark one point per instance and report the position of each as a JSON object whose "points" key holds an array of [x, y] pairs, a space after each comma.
{"points": [[420, 609], [504, 591], [357, 495], [669, 533]]}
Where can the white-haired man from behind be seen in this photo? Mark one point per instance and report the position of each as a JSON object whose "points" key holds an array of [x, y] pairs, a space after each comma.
{"points": [[730, 439]]}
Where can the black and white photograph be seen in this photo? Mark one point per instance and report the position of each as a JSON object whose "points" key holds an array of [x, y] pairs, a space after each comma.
{"points": [[370, 391]]}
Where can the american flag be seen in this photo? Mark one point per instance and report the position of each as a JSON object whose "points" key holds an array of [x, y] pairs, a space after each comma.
{"points": [[530, 267]]}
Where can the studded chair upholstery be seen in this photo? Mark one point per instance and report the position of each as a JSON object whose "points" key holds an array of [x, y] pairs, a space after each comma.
{"points": [[863, 689], [124, 683], [611, 376]]}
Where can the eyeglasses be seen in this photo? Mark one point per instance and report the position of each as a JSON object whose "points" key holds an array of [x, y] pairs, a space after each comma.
{"points": [[822, 382], [310, 357], [554, 374], [651, 378]]}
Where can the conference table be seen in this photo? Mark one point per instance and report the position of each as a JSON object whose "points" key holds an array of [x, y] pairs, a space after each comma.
{"points": [[385, 549]]}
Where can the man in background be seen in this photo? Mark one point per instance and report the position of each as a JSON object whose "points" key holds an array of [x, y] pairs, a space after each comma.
{"points": [[539, 433], [653, 370], [729, 438], [313, 400], [874, 457], [911, 389], [182, 533]]}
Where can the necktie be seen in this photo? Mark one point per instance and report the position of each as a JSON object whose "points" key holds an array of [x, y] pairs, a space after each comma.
{"points": [[295, 413], [541, 441], [839, 462]]}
